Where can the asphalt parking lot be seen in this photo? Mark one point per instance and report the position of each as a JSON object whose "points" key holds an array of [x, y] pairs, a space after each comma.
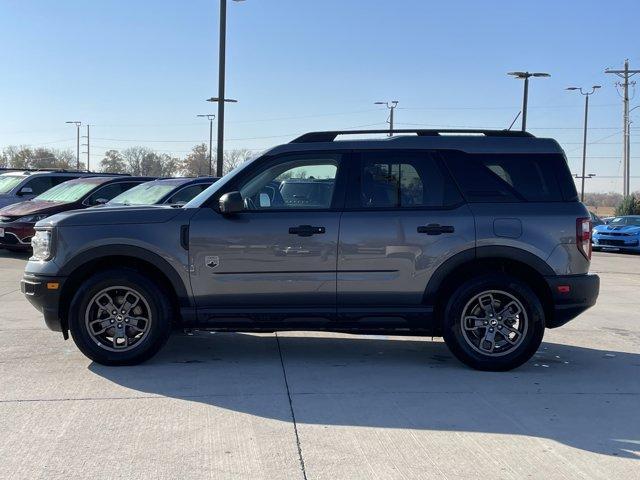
{"points": [[324, 406]]}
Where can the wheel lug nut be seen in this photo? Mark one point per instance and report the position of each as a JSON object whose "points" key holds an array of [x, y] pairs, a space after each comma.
{"points": [[119, 325], [112, 321], [114, 312], [126, 320], [486, 323], [491, 329]]}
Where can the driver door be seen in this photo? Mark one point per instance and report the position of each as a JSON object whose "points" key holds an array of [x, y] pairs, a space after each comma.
{"points": [[279, 255]]}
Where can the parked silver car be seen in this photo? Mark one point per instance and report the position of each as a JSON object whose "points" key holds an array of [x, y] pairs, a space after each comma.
{"points": [[476, 236]]}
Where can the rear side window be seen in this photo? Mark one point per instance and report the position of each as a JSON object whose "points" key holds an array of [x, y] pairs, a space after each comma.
{"points": [[401, 179], [512, 177], [40, 184]]}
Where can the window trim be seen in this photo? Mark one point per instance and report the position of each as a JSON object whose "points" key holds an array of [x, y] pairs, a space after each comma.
{"points": [[339, 189], [352, 202]]}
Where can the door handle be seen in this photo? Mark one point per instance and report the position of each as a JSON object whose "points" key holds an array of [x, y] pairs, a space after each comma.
{"points": [[306, 230], [436, 229]]}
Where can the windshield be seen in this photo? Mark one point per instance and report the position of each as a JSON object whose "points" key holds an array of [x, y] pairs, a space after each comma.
{"points": [[143, 194], [7, 182], [635, 221], [67, 192]]}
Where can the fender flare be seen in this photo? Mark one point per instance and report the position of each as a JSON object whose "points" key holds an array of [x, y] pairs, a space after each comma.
{"points": [[154, 259], [497, 252]]}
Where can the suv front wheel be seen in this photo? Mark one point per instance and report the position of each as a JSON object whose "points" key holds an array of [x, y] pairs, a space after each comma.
{"points": [[119, 317], [494, 322]]}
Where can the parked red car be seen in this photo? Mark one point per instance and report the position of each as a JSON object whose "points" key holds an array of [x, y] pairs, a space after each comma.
{"points": [[17, 220]]}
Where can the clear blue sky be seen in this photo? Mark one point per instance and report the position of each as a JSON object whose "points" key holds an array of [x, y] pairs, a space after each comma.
{"points": [[140, 70]]}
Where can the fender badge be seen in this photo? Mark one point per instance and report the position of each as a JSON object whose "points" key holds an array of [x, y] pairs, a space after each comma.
{"points": [[212, 261]]}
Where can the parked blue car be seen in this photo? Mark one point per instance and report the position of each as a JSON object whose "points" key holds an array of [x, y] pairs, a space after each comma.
{"points": [[621, 233]]}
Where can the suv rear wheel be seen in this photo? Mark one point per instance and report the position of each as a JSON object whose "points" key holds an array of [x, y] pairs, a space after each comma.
{"points": [[494, 322], [120, 317]]}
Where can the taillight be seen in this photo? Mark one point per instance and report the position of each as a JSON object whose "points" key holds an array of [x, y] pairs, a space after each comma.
{"points": [[583, 236]]}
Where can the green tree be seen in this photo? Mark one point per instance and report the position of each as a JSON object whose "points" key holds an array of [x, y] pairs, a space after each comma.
{"points": [[113, 162], [196, 163], [630, 205]]}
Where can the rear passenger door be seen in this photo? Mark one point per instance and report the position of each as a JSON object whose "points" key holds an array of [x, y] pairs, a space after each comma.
{"points": [[403, 218]]}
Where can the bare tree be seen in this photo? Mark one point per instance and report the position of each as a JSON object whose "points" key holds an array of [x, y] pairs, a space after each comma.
{"points": [[43, 158], [233, 158], [196, 163]]}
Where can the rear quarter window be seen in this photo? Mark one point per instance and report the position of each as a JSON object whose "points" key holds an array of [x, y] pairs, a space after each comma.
{"points": [[512, 177]]}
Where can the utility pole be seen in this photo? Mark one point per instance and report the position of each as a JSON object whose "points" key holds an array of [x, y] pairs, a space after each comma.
{"points": [[88, 152], [391, 106], [625, 75], [210, 117], [221, 80], [525, 97], [77, 124], [584, 138]]}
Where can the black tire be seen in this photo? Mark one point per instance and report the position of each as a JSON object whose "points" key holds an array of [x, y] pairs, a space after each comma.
{"points": [[513, 355], [157, 303]]}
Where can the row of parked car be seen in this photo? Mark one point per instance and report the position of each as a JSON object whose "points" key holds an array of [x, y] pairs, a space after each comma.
{"points": [[27, 197]]}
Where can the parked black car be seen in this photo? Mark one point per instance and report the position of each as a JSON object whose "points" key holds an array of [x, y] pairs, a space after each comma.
{"points": [[164, 191]]}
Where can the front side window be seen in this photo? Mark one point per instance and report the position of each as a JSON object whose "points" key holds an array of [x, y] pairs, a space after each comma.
{"points": [[301, 182], [187, 193], [39, 184], [403, 180], [106, 193], [144, 194]]}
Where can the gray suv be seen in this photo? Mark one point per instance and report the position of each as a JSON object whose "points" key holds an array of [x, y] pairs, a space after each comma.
{"points": [[475, 236]]}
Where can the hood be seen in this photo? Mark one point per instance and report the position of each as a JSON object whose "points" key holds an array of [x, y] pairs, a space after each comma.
{"points": [[617, 229], [31, 207], [113, 216]]}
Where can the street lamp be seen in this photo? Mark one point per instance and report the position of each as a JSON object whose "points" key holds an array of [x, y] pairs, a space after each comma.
{"points": [[391, 106], [77, 124], [210, 117], [584, 138], [221, 76], [525, 76]]}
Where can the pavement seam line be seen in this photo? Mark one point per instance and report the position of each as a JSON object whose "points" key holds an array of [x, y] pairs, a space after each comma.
{"points": [[293, 415]]}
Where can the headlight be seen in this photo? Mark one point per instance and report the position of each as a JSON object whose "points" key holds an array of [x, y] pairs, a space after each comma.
{"points": [[42, 245], [31, 218]]}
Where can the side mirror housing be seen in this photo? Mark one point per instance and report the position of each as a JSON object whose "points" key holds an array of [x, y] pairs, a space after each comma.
{"points": [[100, 201], [25, 191], [231, 203]]}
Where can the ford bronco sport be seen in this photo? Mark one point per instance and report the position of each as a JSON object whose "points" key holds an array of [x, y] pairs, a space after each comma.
{"points": [[433, 233]]}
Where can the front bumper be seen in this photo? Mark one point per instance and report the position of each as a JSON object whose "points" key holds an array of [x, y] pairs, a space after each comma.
{"points": [[622, 242], [44, 294], [16, 235], [571, 295]]}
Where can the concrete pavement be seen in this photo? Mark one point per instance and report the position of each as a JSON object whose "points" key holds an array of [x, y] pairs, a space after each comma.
{"points": [[223, 405]]}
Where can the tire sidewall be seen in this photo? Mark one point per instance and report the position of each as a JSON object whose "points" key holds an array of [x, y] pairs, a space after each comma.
{"points": [[159, 306], [452, 327]]}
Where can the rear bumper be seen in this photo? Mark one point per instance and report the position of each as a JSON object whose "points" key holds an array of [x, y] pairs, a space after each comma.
{"points": [[44, 294], [571, 295]]}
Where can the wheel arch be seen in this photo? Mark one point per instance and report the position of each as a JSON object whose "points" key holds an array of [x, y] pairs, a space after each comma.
{"points": [[136, 258], [473, 262]]}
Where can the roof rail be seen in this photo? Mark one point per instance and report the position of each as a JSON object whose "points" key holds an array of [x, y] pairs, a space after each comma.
{"points": [[330, 136]]}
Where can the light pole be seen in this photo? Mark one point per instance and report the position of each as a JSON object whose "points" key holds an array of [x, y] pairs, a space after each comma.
{"points": [[210, 117], [391, 106], [220, 146], [77, 124], [526, 76], [221, 77], [584, 137]]}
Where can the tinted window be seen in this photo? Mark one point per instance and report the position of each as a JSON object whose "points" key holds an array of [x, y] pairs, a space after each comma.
{"points": [[109, 191], [187, 193], [39, 184], [403, 180], [512, 177]]}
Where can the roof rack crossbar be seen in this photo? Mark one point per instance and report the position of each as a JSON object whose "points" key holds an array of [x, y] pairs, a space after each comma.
{"points": [[330, 136]]}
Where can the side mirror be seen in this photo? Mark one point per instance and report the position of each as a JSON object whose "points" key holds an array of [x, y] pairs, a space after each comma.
{"points": [[100, 201], [231, 202], [25, 191]]}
